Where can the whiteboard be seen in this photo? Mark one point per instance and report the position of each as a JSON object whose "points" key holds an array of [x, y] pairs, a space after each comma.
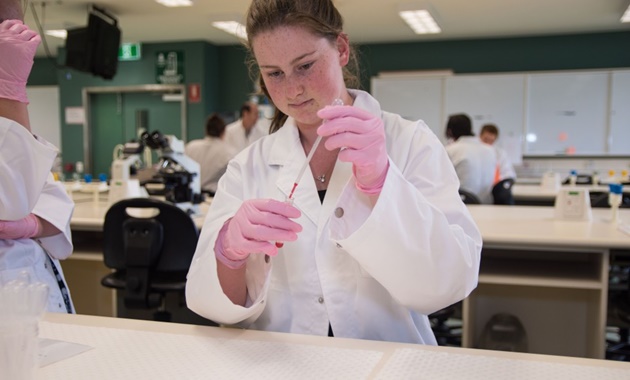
{"points": [[418, 98], [43, 112], [619, 139], [493, 98], [567, 113]]}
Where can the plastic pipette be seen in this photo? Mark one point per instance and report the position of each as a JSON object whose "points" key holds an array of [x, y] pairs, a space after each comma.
{"points": [[336, 102]]}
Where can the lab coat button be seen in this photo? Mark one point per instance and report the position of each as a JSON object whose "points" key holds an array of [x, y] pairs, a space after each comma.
{"points": [[320, 300], [338, 212]]}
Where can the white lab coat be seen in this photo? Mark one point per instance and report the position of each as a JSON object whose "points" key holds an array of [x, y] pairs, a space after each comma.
{"points": [[25, 164], [235, 134], [212, 154], [475, 163], [506, 169], [372, 273]]}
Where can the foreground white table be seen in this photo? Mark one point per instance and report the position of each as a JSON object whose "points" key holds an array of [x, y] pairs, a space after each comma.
{"points": [[131, 349], [551, 274]]}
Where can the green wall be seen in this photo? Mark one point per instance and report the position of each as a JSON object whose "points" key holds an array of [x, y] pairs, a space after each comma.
{"points": [[566, 52], [225, 82]]}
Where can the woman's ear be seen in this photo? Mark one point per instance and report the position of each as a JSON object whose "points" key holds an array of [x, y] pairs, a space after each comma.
{"points": [[343, 47]]}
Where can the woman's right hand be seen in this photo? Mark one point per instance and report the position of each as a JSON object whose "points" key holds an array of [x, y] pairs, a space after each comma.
{"points": [[254, 228]]}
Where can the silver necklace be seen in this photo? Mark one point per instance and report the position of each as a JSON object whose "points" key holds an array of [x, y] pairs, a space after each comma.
{"points": [[321, 178]]}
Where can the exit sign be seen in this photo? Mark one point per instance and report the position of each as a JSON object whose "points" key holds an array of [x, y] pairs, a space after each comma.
{"points": [[129, 52]]}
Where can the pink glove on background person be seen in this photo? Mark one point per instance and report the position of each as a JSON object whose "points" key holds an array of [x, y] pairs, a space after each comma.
{"points": [[363, 137], [17, 46], [256, 224], [24, 228]]}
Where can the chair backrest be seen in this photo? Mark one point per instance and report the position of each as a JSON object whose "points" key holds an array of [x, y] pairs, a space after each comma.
{"points": [[469, 198], [502, 192], [164, 242]]}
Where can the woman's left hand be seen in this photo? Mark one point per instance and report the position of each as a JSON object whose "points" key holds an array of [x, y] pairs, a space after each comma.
{"points": [[361, 136]]}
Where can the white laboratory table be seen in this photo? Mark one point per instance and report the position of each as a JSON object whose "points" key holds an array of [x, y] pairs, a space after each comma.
{"points": [[131, 349], [544, 271], [553, 275], [89, 215]]}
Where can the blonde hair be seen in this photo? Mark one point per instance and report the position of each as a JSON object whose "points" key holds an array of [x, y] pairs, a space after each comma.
{"points": [[320, 17]]}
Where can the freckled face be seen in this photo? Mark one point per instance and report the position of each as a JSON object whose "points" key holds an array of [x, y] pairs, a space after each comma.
{"points": [[302, 71]]}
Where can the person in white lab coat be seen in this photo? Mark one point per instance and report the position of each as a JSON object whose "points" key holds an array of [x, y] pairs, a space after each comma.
{"points": [[474, 161], [247, 129], [35, 210], [212, 153], [489, 134], [376, 237]]}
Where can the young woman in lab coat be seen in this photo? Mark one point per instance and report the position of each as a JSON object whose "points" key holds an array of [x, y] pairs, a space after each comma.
{"points": [[35, 211], [386, 242]]}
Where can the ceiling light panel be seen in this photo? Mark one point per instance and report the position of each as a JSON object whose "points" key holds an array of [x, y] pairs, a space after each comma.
{"points": [[232, 27], [175, 3], [420, 21], [626, 15]]}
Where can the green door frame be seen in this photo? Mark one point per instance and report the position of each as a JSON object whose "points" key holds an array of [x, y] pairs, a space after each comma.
{"points": [[176, 92]]}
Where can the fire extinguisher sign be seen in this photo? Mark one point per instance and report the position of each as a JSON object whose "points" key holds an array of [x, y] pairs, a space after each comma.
{"points": [[194, 93]]}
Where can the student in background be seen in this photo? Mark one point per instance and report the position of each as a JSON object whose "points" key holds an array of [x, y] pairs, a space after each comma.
{"points": [[212, 153], [247, 129], [35, 210], [489, 134], [376, 237], [474, 161]]}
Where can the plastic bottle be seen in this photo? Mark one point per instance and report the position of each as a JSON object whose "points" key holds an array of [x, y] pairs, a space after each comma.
{"points": [[614, 200], [573, 178]]}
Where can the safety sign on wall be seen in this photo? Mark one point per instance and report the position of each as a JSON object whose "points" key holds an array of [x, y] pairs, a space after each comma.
{"points": [[169, 67]]}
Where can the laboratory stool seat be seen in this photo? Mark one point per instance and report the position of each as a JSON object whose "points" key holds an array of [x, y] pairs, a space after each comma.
{"points": [[469, 198], [502, 192], [149, 244]]}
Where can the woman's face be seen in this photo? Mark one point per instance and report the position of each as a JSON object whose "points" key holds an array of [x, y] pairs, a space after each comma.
{"points": [[302, 71]]}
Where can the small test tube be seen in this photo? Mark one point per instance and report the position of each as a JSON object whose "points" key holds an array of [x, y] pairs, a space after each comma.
{"points": [[289, 199]]}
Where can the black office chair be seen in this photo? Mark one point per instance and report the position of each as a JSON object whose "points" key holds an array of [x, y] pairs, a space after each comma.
{"points": [[446, 325], [150, 255], [469, 198], [600, 199], [580, 179], [502, 192], [618, 318]]}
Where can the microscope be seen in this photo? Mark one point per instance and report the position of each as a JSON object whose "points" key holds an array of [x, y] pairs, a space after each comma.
{"points": [[178, 173], [121, 186]]}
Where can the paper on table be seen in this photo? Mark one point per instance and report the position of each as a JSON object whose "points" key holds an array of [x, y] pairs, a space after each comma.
{"points": [[625, 228], [52, 350]]}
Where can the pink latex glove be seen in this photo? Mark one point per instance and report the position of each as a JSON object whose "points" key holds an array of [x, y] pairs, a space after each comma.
{"points": [[362, 135], [253, 229], [24, 228], [17, 46]]}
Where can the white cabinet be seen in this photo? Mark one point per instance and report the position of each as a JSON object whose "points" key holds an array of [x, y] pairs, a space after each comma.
{"points": [[413, 98], [567, 113], [543, 113], [619, 138], [493, 98]]}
